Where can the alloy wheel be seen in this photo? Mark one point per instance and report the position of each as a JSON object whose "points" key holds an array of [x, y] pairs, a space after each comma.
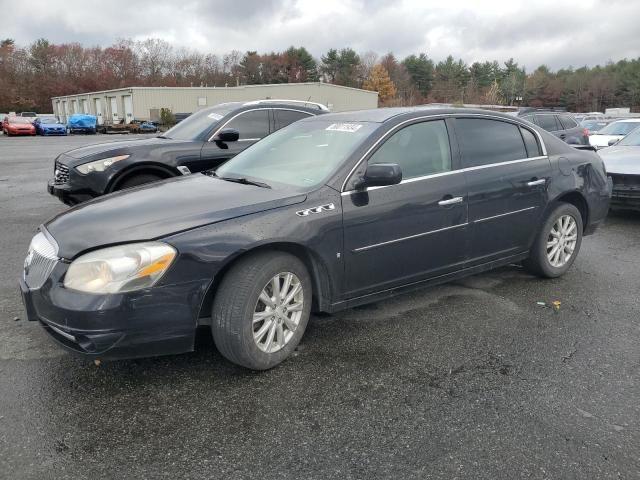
{"points": [[561, 242], [278, 312]]}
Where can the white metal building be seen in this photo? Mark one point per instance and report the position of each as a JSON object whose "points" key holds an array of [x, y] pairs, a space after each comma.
{"points": [[144, 103]]}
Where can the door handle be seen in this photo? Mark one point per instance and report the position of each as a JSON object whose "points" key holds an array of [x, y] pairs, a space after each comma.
{"points": [[450, 201], [534, 183]]}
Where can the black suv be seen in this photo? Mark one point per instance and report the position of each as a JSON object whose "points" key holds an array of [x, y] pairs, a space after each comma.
{"points": [[328, 213], [193, 145], [559, 123]]}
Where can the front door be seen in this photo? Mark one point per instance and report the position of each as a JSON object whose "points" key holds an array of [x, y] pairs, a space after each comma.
{"points": [[507, 177], [252, 125], [402, 233]]}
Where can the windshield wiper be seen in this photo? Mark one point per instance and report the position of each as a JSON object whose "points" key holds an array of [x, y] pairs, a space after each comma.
{"points": [[163, 137], [244, 181]]}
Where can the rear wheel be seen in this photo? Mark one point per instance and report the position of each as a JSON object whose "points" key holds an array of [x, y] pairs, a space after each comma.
{"points": [[139, 179], [261, 310], [557, 244]]}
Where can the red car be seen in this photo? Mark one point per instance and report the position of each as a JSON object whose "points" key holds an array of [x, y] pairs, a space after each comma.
{"points": [[18, 126]]}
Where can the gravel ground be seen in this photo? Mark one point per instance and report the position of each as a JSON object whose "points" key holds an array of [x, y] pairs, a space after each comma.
{"points": [[467, 380]]}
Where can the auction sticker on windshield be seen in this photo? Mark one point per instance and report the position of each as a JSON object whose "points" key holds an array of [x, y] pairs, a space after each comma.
{"points": [[344, 127]]}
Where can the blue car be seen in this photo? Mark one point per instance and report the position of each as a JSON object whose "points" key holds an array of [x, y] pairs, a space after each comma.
{"points": [[49, 126], [82, 123]]}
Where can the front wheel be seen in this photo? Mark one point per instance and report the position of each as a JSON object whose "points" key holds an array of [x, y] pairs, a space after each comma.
{"points": [[261, 309], [557, 244], [137, 180]]}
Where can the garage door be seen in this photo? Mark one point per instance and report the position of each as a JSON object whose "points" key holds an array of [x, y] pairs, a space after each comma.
{"points": [[98, 107], [85, 106], [65, 108], [114, 109], [128, 108], [74, 106]]}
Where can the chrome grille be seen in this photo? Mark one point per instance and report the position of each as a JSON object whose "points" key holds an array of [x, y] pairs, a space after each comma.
{"points": [[60, 174], [40, 261]]}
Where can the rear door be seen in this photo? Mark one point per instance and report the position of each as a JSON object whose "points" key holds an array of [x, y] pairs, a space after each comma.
{"points": [[507, 176], [252, 125], [398, 234]]}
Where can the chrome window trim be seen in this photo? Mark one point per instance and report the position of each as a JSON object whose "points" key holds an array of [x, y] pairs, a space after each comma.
{"points": [[450, 172], [485, 219], [236, 116], [402, 239], [514, 120]]}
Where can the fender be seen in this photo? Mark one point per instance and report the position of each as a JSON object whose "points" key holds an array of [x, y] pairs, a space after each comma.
{"points": [[149, 167]]}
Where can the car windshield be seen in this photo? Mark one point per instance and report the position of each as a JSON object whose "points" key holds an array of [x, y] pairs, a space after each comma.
{"points": [[302, 155], [48, 120], [631, 140], [196, 125], [19, 120], [619, 128]]}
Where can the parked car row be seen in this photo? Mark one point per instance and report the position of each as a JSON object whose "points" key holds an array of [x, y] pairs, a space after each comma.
{"points": [[28, 124], [305, 211]]}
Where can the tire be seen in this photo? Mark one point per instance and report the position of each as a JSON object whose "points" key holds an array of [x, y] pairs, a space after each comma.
{"points": [[239, 298], [539, 262], [137, 180]]}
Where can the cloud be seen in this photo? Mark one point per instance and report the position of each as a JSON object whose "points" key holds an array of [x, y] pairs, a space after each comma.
{"points": [[558, 34]]}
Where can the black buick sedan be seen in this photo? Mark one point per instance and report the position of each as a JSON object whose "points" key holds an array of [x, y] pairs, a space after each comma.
{"points": [[193, 145], [331, 212]]}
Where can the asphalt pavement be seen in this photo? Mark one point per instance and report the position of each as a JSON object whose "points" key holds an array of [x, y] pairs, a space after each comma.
{"points": [[470, 380]]}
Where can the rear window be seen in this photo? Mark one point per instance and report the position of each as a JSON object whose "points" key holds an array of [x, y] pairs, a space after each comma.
{"points": [[548, 122], [285, 117], [567, 122], [484, 142]]}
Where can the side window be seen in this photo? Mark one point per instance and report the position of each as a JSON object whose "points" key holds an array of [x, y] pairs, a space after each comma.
{"points": [[567, 121], [528, 118], [530, 141], [548, 122], [285, 117], [484, 142], [420, 149], [252, 125]]}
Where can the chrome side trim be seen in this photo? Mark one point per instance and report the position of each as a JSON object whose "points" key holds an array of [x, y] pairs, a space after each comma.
{"points": [[514, 120], [485, 219], [418, 235], [451, 172], [322, 208]]}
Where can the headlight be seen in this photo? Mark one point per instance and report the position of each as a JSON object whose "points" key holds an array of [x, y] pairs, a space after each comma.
{"points": [[100, 165], [120, 269]]}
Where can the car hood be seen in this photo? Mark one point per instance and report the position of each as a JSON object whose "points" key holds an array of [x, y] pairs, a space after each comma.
{"points": [[622, 159], [52, 125], [160, 209], [603, 140], [103, 150]]}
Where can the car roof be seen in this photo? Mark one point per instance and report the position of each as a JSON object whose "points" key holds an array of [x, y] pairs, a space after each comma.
{"points": [[628, 120], [381, 115]]}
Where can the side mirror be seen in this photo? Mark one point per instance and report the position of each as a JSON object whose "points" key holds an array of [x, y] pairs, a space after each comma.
{"points": [[381, 174], [227, 135], [613, 141]]}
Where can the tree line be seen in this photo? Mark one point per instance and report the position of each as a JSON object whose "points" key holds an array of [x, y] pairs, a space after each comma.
{"points": [[31, 75]]}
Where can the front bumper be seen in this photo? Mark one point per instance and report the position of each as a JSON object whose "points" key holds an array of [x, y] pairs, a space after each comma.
{"points": [[68, 195], [47, 132], [626, 195], [157, 321]]}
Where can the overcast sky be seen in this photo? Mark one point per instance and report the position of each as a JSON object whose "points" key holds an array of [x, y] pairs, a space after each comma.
{"points": [[557, 33]]}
